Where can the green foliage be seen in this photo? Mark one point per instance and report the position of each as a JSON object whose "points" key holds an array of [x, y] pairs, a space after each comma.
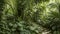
{"points": [[29, 16]]}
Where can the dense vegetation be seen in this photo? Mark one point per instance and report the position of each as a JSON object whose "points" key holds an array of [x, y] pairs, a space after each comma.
{"points": [[29, 16]]}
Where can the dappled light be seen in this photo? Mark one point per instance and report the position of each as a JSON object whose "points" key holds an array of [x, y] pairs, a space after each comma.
{"points": [[29, 16]]}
